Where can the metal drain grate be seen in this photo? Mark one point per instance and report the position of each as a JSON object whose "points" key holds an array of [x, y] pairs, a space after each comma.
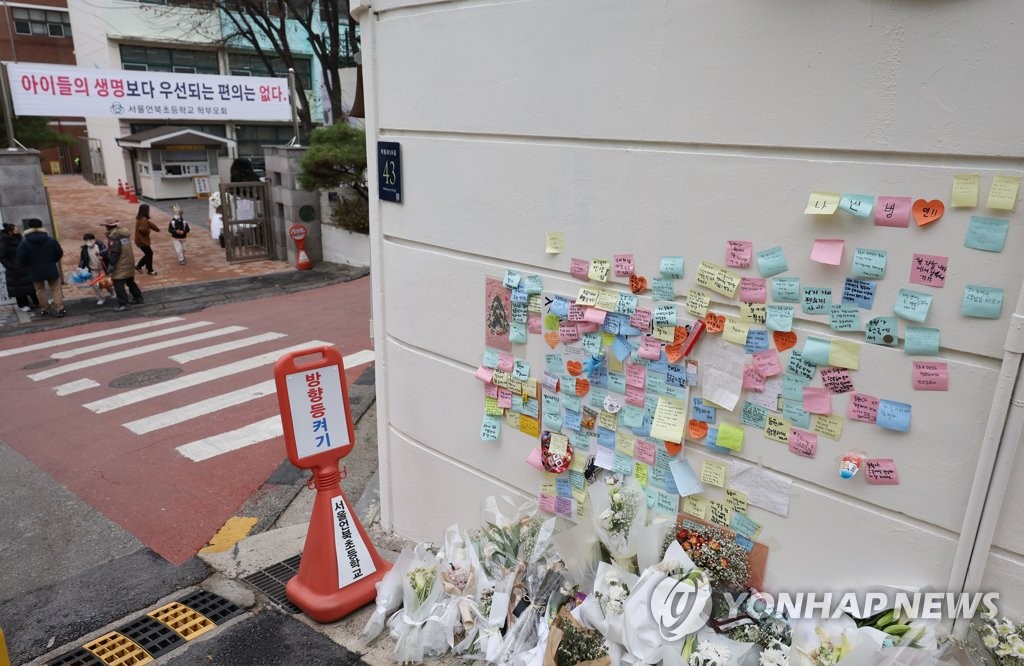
{"points": [[118, 650], [144, 377], [271, 582], [79, 657], [218, 609], [155, 637], [182, 619]]}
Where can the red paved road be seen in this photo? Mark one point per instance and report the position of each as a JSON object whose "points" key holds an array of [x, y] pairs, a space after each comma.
{"points": [[172, 504]]}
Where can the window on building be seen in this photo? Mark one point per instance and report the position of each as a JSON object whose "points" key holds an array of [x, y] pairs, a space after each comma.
{"points": [[41, 22], [250, 64], [252, 138], [168, 60]]}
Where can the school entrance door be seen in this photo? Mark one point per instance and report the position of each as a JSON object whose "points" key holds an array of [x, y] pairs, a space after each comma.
{"points": [[247, 223]]}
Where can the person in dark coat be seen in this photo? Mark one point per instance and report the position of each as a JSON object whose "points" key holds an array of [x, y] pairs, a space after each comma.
{"points": [[143, 226], [19, 286], [40, 254], [120, 262]]}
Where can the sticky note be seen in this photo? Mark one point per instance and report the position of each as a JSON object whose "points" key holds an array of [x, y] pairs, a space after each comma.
{"points": [[816, 300], [882, 331], [912, 305], [844, 317], [860, 205], [757, 341], [881, 472], [893, 211], [599, 270], [921, 341], [817, 400], [623, 265], [862, 407], [772, 261], [744, 525], [736, 500], [786, 290], [512, 279], [859, 292], [801, 367], [930, 376], [720, 514], [828, 251], [983, 302], [844, 354], [794, 412], [868, 263], [753, 415], [986, 233], [738, 253], [717, 279], [779, 317], [712, 473], [665, 314], [703, 411], [663, 289], [729, 437], [893, 415], [1003, 193], [793, 387], [822, 203], [669, 420], [555, 242], [767, 399], [671, 267], [965, 190], [816, 350], [803, 443], [837, 380], [767, 362], [696, 505], [929, 270], [776, 429], [753, 290], [490, 428], [685, 478], [828, 426], [697, 303], [735, 331]]}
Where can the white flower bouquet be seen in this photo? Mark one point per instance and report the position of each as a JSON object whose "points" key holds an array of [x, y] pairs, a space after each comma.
{"points": [[619, 512], [389, 597], [417, 631]]}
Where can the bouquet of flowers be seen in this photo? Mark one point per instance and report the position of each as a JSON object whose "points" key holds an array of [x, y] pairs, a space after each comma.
{"points": [[417, 632], [463, 581], [1004, 640], [541, 579], [500, 541], [604, 610], [491, 611], [619, 511], [714, 551], [580, 551], [389, 597], [570, 644]]}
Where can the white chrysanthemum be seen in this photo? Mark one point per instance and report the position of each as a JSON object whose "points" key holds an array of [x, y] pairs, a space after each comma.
{"points": [[1018, 649], [990, 641], [1003, 650], [774, 657], [713, 653], [1004, 628]]}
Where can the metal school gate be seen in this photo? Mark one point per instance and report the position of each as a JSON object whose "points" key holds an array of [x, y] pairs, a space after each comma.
{"points": [[247, 223]]}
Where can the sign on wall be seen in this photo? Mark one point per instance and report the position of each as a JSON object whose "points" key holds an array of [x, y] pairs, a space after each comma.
{"points": [[56, 90], [389, 171]]}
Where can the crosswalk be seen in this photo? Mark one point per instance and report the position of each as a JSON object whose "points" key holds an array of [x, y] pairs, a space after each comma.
{"points": [[174, 339]]}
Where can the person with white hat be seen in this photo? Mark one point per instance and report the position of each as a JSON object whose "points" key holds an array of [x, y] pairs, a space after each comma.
{"points": [[178, 229]]}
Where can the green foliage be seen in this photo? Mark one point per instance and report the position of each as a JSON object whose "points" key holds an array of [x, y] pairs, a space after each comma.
{"points": [[353, 214], [35, 132], [336, 157]]}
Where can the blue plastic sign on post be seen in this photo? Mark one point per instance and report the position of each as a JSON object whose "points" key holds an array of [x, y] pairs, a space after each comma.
{"points": [[389, 171]]}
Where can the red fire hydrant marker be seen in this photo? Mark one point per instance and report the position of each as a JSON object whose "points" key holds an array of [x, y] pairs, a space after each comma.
{"points": [[340, 566], [302, 260]]}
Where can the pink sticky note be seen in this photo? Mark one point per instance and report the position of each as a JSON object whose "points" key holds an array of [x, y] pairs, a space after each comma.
{"points": [[635, 396], [893, 211], [567, 332], [576, 312], [881, 472], [623, 265], [580, 268], [817, 400], [753, 290], [753, 379], [828, 251], [491, 391], [504, 398], [485, 374], [862, 407], [534, 324], [506, 362], [767, 362], [837, 380], [737, 254], [929, 270], [595, 316], [536, 459], [636, 375], [803, 443], [931, 376], [641, 319], [644, 451], [587, 327], [546, 503], [650, 348]]}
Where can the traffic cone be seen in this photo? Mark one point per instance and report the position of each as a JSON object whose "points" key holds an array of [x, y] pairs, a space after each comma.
{"points": [[131, 195], [304, 263], [120, 188]]}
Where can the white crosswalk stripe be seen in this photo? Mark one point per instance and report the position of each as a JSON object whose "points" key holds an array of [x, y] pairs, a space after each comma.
{"points": [[76, 386], [88, 349], [254, 433], [196, 354], [201, 408], [82, 337]]}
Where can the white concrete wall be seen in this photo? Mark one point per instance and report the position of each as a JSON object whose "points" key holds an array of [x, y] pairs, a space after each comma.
{"points": [[666, 129]]}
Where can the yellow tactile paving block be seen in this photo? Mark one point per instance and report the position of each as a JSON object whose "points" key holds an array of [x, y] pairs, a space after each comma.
{"points": [[186, 622], [118, 650], [234, 530]]}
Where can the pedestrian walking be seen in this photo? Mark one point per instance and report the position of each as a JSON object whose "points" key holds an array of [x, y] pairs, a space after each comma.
{"points": [[94, 258], [121, 260], [143, 226], [178, 229], [40, 254], [19, 285]]}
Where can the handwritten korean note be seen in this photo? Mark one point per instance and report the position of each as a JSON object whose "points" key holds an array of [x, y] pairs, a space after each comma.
{"points": [[772, 261], [912, 305], [828, 251], [786, 290], [599, 269], [822, 203], [881, 472], [816, 300], [717, 279], [929, 270], [753, 290], [803, 443], [894, 415], [827, 426], [720, 514], [713, 473], [983, 302], [862, 407], [1003, 194], [671, 267], [767, 362], [986, 233], [685, 478], [779, 317], [844, 317], [930, 376], [882, 331], [697, 303], [554, 242], [776, 429], [893, 211], [490, 428], [858, 204], [738, 253], [669, 419], [696, 505], [868, 263], [965, 190]]}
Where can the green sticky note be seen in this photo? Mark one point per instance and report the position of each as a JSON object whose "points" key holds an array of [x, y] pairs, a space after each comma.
{"points": [[772, 261], [921, 341], [794, 411], [844, 317], [912, 305], [779, 317], [858, 204], [663, 288], [816, 300], [984, 302], [490, 428], [729, 437], [869, 263], [883, 331], [517, 332], [591, 343], [986, 233], [671, 267], [816, 350], [786, 290], [753, 415]]}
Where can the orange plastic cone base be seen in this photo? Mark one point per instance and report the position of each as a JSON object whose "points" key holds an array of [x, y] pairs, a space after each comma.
{"points": [[315, 588], [131, 196], [304, 263], [120, 188]]}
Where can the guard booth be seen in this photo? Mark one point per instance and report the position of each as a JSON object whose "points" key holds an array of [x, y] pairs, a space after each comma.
{"points": [[174, 162]]}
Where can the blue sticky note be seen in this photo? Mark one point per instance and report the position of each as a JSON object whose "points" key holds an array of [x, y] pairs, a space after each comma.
{"points": [[517, 332], [772, 261], [685, 479], [671, 267], [519, 296], [816, 300], [654, 383], [711, 443], [753, 415], [617, 382], [757, 341], [883, 331], [893, 415], [591, 343], [986, 233], [793, 387], [844, 317], [521, 370], [631, 416], [650, 405], [597, 396], [744, 543], [816, 350], [670, 482], [744, 525], [676, 376], [512, 279], [984, 302], [531, 407], [868, 263], [571, 402], [563, 486], [571, 420], [581, 441], [663, 289], [553, 421], [794, 411], [702, 412], [491, 358], [626, 305], [623, 464], [552, 403], [676, 392], [786, 290], [912, 305], [605, 437], [778, 318], [621, 348], [568, 384], [577, 480], [860, 205], [800, 366], [517, 403], [559, 307], [859, 292], [921, 341], [490, 428], [533, 284], [661, 365]]}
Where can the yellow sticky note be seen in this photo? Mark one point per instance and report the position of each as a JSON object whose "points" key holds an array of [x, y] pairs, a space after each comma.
{"points": [[588, 296], [579, 494], [736, 331], [729, 436], [720, 514], [822, 203], [529, 426], [625, 443], [696, 505], [965, 190], [614, 364], [607, 300], [754, 312], [578, 464], [669, 419], [776, 428], [830, 426], [608, 420], [555, 241], [1003, 195], [717, 279], [697, 303], [736, 500], [599, 269], [491, 407], [664, 332], [640, 473], [558, 444], [548, 486], [712, 473], [844, 354], [512, 419]]}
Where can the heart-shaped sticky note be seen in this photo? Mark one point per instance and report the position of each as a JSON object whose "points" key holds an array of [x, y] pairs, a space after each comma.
{"points": [[673, 448], [582, 386], [714, 323], [674, 352], [926, 212], [551, 337], [698, 429], [574, 368], [784, 340], [637, 284]]}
